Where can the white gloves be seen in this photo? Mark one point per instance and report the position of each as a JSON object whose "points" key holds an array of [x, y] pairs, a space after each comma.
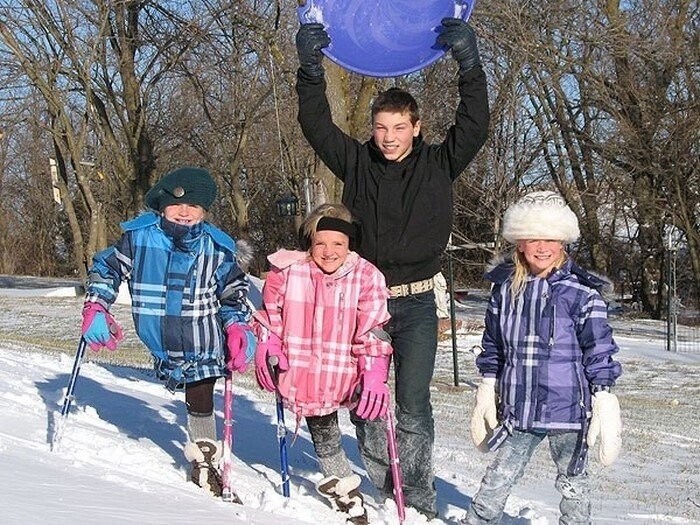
{"points": [[606, 424], [484, 419]]}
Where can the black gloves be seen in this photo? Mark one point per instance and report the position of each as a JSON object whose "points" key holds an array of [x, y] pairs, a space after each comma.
{"points": [[459, 36], [311, 38]]}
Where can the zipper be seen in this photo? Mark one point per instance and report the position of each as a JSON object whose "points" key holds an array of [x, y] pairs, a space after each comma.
{"points": [[551, 327], [193, 278], [341, 297]]}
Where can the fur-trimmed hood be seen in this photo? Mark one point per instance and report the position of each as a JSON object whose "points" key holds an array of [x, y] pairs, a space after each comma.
{"points": [[244, 254]]}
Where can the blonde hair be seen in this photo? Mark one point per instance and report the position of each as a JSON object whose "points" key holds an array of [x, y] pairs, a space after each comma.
{"points": [[522, 270], [336, 211]]}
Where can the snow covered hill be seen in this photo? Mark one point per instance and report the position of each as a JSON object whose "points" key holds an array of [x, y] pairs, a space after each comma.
{"points": [[121, 461]]}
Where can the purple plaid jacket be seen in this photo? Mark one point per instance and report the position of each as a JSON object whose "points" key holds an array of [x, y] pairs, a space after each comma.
{"points": [[547, 348]]}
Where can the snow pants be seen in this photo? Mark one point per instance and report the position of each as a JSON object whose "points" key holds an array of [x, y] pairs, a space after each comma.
{"points": [[327, 439], [508, 467]]}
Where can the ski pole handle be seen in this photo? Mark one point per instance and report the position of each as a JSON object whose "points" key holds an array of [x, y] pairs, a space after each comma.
{"points": [[272, 363]]}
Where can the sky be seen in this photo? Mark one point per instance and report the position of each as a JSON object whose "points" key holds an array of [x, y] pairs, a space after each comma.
{"points": [[120, 459]]}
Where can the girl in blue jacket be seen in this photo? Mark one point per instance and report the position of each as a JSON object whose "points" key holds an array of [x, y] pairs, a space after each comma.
{"points": [[547, 363], [188, 303]]}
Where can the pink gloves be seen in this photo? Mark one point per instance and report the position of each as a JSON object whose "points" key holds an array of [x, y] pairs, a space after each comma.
{"points": [[240, 343], [99, 328], [268, 352], [374, 400]]}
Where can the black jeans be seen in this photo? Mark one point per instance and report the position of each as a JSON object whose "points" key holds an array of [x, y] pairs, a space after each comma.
{"points": [[413, 329]]}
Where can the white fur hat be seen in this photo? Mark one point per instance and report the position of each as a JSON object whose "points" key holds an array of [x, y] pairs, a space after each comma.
{"points": [[540, 215]]}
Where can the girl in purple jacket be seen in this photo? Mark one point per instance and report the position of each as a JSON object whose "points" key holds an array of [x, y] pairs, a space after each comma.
{"points": [[547, 363]]}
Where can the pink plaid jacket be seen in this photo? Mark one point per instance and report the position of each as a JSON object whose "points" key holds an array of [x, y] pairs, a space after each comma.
{"points": [[325, 323]]}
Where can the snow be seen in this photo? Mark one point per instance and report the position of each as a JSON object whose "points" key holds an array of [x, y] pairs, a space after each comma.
{"points": [[120, 459]]}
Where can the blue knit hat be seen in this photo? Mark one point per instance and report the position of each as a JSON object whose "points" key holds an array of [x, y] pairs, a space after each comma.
{"points": [[183, 186]]}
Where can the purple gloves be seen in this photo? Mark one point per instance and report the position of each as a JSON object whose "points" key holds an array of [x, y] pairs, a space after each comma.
{"points": [[374, 400], [99, 328], [268, 352], [241, 343]]}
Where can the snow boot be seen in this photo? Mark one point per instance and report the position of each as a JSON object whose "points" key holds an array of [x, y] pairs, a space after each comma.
{"points": [[344, 496], [204, 455]]}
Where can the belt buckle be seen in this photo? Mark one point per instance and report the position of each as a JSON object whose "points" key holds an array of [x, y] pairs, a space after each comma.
{"points": [[420, 286], [399, 290], [415, 287]]}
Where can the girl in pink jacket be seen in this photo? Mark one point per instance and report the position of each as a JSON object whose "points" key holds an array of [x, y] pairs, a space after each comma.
{"points": [[325, 309]]}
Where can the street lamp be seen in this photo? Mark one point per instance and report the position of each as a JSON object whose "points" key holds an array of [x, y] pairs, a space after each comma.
{"points": [[287, 206]]}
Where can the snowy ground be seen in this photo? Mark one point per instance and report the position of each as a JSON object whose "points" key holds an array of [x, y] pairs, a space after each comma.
{"points": [[121, 461]]}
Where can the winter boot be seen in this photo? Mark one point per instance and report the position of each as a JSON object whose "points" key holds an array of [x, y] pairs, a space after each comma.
{"points": [[204, 455], [344, 496]]}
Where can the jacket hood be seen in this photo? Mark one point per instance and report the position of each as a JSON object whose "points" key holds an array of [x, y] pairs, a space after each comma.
{"points": [[501, 267], [244, 254], [600, 282], [285, 258]]}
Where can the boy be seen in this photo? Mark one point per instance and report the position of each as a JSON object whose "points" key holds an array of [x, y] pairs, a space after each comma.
{"points": [[400, 190]]}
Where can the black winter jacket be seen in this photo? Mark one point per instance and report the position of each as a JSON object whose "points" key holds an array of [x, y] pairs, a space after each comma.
{"points": [[404, 207]]}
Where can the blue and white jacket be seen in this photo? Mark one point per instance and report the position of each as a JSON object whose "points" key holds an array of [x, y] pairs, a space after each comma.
{"points": [[547, 349], [184, 291]]}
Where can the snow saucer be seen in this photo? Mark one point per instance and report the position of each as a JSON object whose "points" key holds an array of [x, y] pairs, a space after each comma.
{"points": [[378, 38]]}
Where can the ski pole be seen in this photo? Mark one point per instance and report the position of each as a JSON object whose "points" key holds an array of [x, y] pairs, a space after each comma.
{"points": [[281, 430], [396, 477], [272, 363], [227, 493], [60, 423], [282, 436]]}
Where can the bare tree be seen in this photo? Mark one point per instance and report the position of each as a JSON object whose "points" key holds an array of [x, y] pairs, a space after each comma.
{"points": [[597, 100], [94, 64], [609, 87]]}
